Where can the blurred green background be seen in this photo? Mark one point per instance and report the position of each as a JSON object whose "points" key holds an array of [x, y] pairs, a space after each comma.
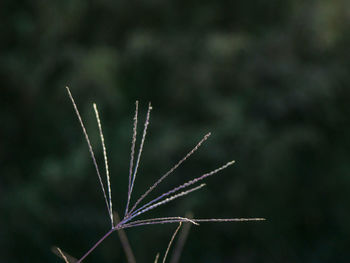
{"points": [[269, 79]]}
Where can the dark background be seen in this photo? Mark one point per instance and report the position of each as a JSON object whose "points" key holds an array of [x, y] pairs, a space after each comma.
{"points": [[270, 79]]}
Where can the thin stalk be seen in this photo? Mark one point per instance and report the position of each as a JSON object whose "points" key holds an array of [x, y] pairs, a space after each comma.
{"points": [[125, 242], [156, 259], [96, 245], [62, 255], [171, 242], [181, 241]]}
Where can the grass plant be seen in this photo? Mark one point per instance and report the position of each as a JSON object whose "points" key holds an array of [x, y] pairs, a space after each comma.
{"points": [[133, 211]]}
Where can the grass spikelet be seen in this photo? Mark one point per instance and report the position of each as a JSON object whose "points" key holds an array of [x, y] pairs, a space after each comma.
{"points": [[132, 154]]}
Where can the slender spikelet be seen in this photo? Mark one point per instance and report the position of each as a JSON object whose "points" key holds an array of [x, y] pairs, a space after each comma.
{"points": [[228, 220], [106, 163], [185, 185], [167, 200], [171, 242], [90, 149], [170, 171], [132, 154], [140, 152]]}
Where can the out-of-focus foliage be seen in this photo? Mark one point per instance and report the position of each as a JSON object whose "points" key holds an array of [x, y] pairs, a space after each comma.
{"points": [[270, 79]]}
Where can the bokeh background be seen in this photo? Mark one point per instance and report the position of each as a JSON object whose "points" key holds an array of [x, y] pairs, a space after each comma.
{"points": [[269, 79]]}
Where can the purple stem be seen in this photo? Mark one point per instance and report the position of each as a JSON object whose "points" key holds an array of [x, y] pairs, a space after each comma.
{"points": [[96, 245]]}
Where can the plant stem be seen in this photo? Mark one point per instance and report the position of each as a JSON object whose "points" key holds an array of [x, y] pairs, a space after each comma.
{"points": [[96, 244]]}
